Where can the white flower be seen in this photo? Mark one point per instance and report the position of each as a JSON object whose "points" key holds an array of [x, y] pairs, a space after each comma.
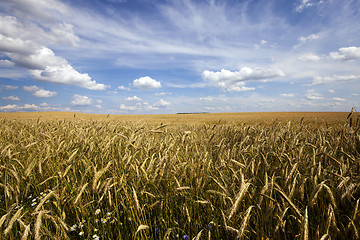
{"points": [[33, 204], [108, 213], [97, 211], [95, 237], [81, 233], [73, 227], [103, 220], [96, 220], [95, 230]]}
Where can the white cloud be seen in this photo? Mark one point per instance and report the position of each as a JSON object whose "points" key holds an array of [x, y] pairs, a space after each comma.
{"points": [[339, 99], [313, 95], [146, 83], [43, 10], [17, 41], [44, 93], [234, 81], [331, 91], [123, 88], [127, 108], [144, 106], [8, 87], [346, 54], [309, 38], [11, 98], [162, 94], [134, 98], [207, 99], [304, 4], [31, 107], [52, 33], [309, 57], [162, 103], [5, 62], [288, 95], [31, 88], [334, 79], [79, 100], [65, 74], [39, 92]]}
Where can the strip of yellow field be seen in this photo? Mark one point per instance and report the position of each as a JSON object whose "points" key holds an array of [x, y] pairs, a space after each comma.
{"points": [[216, 118]]}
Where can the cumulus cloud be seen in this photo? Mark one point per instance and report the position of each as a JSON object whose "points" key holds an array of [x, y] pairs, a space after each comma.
{"points": [[79, 100], [39, 92], [66, 74], [346, 54], [44, 93], [134, 98], [11, 98], [334, 79], [44, 104], [161, 104], [24, 50], [234, 81], [146, 83], [54, 33], [31, 88], [313, 95], [309, 57], [289, 95], [144, 106], [31, 107]]}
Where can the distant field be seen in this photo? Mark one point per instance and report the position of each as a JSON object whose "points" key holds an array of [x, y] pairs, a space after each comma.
{"points": [[184, 176], [261, 117]]}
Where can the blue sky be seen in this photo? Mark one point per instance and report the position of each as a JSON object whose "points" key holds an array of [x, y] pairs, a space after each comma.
{"points": [[150, 57]]}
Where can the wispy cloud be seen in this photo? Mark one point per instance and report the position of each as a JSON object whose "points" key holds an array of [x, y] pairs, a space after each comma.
{"points": [[313, 95], [309, 57], [11, 98], [287, 95], [8, 87], [234, 81], [334, 79]]}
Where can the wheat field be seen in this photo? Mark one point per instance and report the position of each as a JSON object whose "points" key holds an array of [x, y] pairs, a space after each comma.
{"points": [[185, 176]]}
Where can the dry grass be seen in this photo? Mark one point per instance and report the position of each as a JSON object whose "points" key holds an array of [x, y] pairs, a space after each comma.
{"points": [[201, 176]]}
